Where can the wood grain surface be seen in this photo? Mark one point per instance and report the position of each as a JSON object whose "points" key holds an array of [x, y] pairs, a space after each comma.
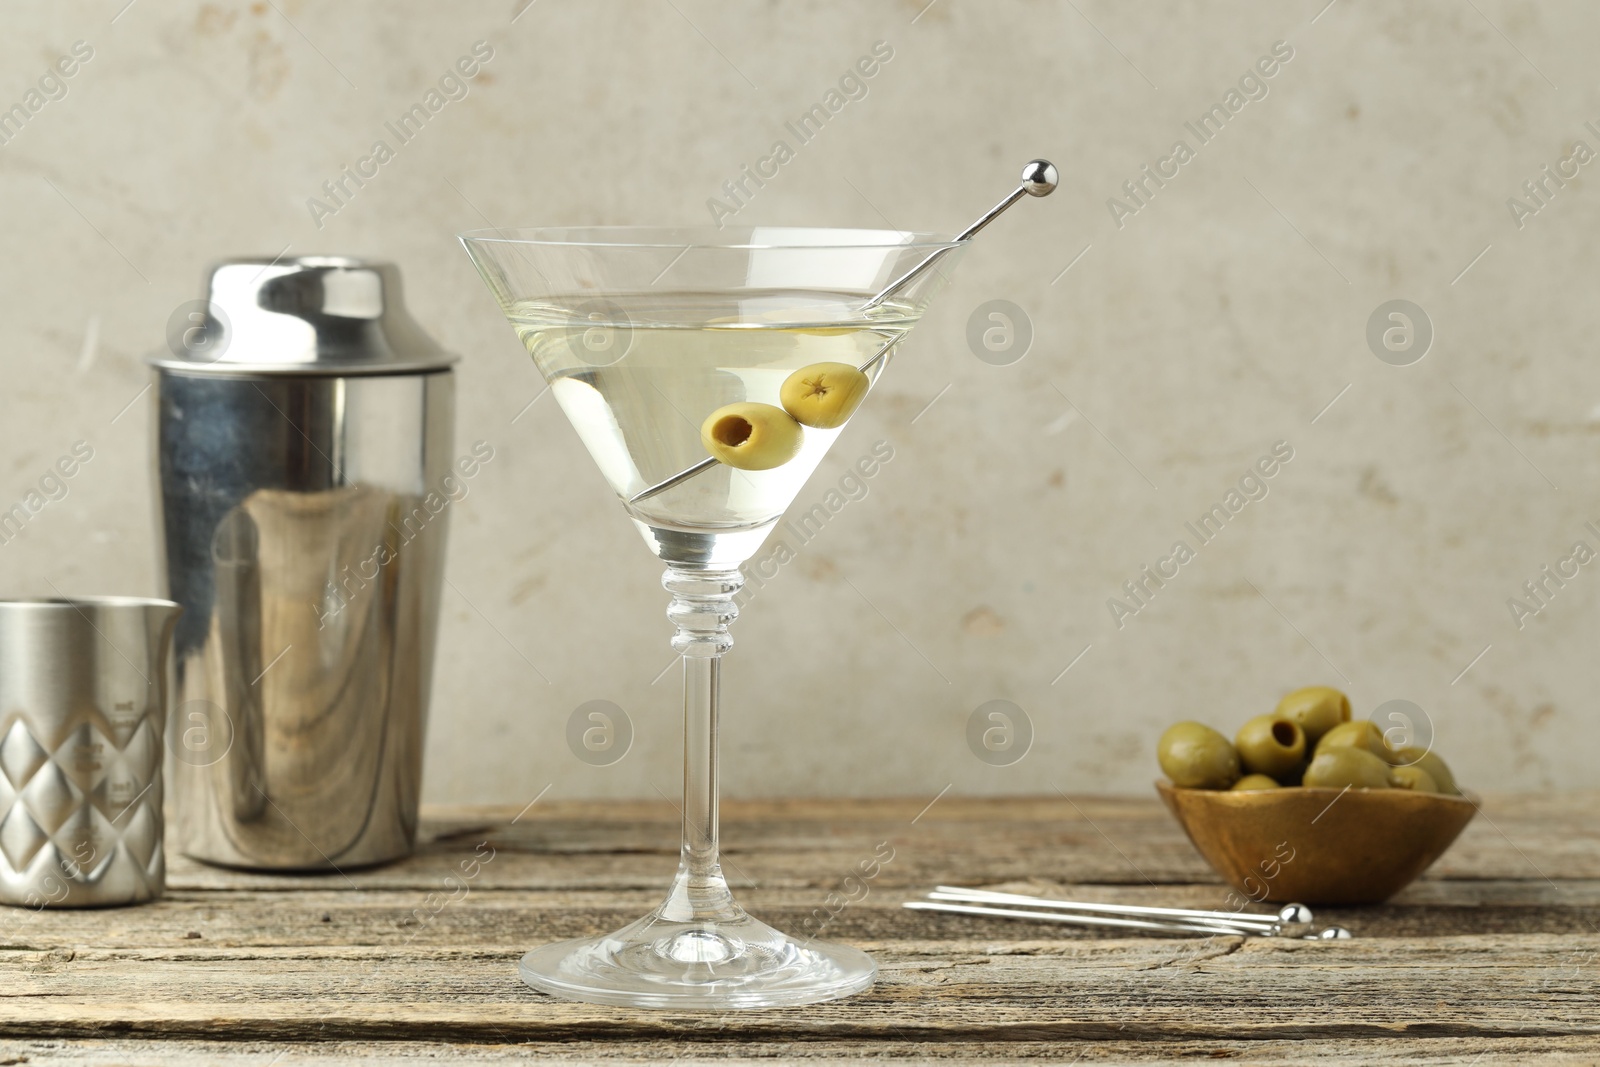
{"points": [[1492, 958]]}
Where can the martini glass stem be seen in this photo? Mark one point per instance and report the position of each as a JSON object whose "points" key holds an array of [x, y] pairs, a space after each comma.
{"points": [[701, 684], [702, 608]]}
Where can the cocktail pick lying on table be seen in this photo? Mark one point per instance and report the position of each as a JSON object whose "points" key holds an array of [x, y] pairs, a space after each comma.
{"points": [[1292, 920], [1038, 179]]}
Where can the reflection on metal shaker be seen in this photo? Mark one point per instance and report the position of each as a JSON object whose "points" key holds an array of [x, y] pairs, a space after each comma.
{"points": [[302, 429]]}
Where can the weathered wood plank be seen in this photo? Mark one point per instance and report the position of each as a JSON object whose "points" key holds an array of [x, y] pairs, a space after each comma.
{"points": [[507, 918], [732, 1050], [1487, 986], [1492, 958], [1128, 841]]}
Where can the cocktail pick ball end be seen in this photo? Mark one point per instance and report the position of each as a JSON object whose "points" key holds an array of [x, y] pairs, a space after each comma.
{"points": [[1294, 913], [1039, 177], [1334, 933]]}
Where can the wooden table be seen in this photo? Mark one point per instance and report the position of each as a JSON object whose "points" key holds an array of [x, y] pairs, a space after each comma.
{"points": [[1493, 958]]}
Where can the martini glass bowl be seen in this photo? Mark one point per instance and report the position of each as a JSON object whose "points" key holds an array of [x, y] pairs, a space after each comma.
{"points": [[641, 334]]}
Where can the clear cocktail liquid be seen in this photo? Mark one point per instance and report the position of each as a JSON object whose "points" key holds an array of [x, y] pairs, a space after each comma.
{"points": [[638, 374]]}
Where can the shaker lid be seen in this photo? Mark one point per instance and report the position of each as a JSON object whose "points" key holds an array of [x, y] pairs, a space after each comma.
{"points": [[321, 315]]}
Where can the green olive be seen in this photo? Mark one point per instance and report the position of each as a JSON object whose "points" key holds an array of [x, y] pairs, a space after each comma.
{"points": [[1270, 745], [1413, 778], [1428, 761], [1316, 709], [1335, 768], [1364, 735], [1195, 756], [1255, 781], [751, 437]]}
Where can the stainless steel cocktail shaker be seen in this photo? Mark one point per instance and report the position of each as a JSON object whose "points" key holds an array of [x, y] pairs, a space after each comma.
{"points": [[303, 448]]}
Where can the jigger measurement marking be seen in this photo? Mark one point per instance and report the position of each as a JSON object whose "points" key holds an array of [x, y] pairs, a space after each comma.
{"points": [[1038, 179], [129, 805]]}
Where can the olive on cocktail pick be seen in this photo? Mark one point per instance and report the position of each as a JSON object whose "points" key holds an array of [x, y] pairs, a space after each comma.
{"points": [[751, 437], [1039, 178], [824, 395]]}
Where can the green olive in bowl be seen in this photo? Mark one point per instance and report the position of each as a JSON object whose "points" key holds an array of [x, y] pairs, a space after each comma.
{"points": [[1364, 735], [1340, 767], [1316, 709], [1270, 745], [1428, 761], [1413, 778], [1195, 756], [1255, 781]]}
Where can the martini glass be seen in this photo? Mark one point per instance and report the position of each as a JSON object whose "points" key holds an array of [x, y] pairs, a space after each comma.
{"points": [[643, 333]]}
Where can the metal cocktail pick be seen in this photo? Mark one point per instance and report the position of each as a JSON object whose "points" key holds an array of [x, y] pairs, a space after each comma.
{"points": [[1038, 179], [1291, 920]]}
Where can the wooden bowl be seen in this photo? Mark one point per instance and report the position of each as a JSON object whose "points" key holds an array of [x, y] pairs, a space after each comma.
{"points": [[1315, 846]]}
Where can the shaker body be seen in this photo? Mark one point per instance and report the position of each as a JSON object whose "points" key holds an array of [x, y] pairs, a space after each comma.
{"points": [[303, 521]]}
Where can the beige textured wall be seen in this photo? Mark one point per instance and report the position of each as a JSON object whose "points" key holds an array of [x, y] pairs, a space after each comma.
{"points": [[1221, 317]]}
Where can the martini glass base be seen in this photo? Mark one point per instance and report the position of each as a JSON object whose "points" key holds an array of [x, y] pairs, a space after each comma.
{"points": [[659, 963]]}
